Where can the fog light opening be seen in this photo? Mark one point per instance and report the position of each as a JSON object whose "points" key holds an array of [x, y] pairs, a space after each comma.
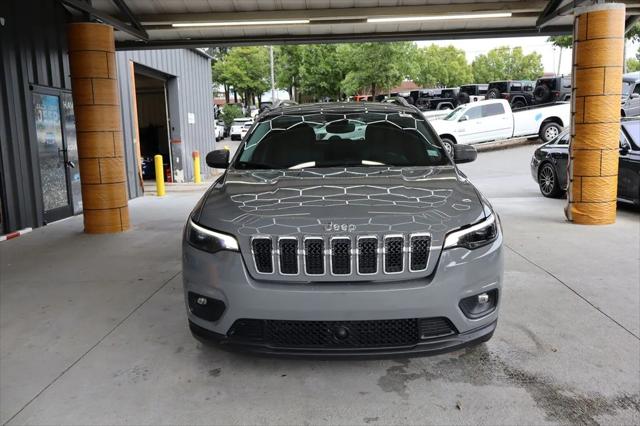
{"points": [[479, 305], [204, 307]]}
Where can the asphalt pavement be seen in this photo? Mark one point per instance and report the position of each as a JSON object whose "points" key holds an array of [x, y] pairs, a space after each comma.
{"points": [[93, 331]]}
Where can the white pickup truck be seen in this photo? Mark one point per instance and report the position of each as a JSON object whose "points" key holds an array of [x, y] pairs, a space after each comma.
{"points": [[491, 120]]}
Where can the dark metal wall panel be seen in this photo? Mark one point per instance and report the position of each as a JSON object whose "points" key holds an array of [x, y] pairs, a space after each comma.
{"points": [[32, 52], [190, 72]]}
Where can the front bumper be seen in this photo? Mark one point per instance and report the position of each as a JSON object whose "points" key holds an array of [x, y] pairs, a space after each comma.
{"points": [[430, 347], [459, 273]]}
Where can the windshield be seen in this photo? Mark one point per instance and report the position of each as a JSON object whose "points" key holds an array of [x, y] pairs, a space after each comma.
{"points": [[626, 87], [340, 140], [455, 114]]}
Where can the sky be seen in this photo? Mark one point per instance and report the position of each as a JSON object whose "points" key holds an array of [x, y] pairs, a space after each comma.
{"points": [[550, 55]]}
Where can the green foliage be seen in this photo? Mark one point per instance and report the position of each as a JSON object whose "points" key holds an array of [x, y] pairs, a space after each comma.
{"points": [[320, 70], [287, 63], [442, 66], [244, 68], [229, 113], [634, 34], [564, 41], [504, 63], [633, 65], [377, 66]]}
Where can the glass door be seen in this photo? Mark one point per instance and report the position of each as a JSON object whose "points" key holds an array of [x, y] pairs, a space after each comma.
{"points": [[55, 165]]}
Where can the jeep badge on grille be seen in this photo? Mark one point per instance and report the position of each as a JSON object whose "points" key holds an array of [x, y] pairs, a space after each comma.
{"points": [[339, 227]]}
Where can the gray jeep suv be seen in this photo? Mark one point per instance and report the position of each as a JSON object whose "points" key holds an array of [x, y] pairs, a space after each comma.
{"points": [[342, 230]]}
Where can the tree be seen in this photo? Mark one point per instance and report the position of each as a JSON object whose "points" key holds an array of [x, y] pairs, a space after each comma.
{"points": [[633, 65], [505, 63], [320, 71], [246, 69], [442, 66], [563, 42], [287, 62], [229, 113], [217, 54], [376, 66]]}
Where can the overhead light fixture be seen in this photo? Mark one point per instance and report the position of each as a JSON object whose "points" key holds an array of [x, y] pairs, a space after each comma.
{"points": [[240, 23], [440, 17]]}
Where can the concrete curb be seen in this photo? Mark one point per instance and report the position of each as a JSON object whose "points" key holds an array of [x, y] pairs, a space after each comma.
{"points": [[504, 144]]}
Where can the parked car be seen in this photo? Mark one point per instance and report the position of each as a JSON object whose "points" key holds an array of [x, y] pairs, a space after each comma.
{"points": [[342, 247], [549, 164], [218, 126], [552, 89], [236, 127], [245, 129], [490, 120], [519, 93], [630, 95], [472, 93]]}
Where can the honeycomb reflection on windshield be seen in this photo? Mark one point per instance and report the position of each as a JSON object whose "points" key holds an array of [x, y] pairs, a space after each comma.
{"points": [[347, 139]]}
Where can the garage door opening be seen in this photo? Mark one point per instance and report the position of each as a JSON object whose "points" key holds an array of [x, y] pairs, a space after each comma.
{"points": [[153, 124]]}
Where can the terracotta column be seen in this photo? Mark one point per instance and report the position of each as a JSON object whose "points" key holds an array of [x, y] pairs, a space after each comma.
{"points": [[99, 129], [598, 50]]}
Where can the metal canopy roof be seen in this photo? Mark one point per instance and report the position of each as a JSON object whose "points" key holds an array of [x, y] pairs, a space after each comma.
{"points": [[160, 23]]}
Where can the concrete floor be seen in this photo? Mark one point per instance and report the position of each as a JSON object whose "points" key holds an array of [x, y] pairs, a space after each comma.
{"points": [[93, 331]]}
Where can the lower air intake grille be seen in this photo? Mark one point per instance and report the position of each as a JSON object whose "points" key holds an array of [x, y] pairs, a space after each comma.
{"points": [[341, 256], [288, 256], [435, 327], [341, 334], [262, 255]]}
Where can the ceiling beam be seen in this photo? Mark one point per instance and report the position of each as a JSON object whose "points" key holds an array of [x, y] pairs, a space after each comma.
{"points": [[106, 18], [346, 13], [345, 38], [122, 6]]}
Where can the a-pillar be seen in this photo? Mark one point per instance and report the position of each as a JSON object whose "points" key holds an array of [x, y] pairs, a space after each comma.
{"points": [[598, 50], [98, 125]]}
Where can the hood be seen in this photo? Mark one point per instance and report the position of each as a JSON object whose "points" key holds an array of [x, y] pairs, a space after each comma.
{"points": [[354, 202]]}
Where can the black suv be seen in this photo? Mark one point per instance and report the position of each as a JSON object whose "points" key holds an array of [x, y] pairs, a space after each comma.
{"points": [[552, 89], [519, 93], [472, 92], [448, 99]]}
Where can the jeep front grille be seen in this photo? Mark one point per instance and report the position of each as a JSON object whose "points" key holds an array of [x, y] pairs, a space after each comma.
{"points": [[341, 255]]}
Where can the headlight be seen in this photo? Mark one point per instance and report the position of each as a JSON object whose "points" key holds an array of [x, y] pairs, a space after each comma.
{"points": [[478, 235], [208, 240]]}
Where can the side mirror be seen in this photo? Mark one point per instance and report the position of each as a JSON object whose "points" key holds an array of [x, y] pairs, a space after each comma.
{"points": [[218, 159], [464, 118], [464, 154], [635, 95]]}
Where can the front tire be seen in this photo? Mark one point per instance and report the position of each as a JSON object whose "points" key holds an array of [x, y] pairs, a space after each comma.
{"points": [[550, 131], [448, 144], [548, 181]]}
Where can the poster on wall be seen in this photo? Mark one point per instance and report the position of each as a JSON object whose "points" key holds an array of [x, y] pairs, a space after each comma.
{"points": [[50, 149]]}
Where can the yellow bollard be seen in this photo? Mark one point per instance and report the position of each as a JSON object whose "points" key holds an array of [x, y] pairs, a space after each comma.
{"points": [[196, 167], [159, 175]]}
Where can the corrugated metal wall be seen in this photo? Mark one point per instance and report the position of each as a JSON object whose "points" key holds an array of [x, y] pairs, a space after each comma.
{"points": [[33, 51], [190, 73]]}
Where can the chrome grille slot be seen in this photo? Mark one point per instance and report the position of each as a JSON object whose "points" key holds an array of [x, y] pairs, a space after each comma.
{"points": [[341, 256], [288, 249], [367, 255], [393, 254], [314, 256], [262, 254], [419, 252]]}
